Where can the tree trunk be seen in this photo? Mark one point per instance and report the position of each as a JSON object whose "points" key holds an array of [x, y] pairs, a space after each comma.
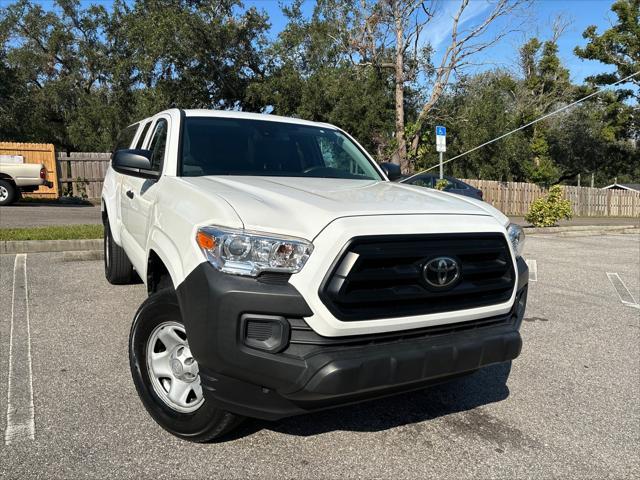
{"points": [[401, 157], [437, 91]]}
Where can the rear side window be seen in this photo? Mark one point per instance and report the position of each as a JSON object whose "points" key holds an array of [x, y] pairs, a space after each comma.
{"points": [[125, 137], [426, 181], [158, 144], [145, 129]]}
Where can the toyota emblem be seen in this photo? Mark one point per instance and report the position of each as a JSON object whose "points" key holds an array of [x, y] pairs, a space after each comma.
{"points": [[441, 272]]}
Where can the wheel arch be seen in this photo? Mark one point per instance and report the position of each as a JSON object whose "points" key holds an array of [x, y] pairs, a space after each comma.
{"points": [[163, 258], [7, 177], [109, 204]]}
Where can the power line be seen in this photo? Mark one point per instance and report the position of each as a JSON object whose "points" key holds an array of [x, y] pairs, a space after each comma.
{"points": [[530, 123]]}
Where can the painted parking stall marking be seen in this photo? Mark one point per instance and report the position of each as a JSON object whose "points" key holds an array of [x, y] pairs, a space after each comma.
{"points": [[20, 409], [533, 270], [623, 292]]}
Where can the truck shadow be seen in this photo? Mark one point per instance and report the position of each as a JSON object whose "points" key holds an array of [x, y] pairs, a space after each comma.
{"points": [[59, 204], [488, 385]]}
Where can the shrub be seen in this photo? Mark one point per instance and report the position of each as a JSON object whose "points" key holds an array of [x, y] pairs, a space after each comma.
{"points": [[441, 184], [546, 211]]}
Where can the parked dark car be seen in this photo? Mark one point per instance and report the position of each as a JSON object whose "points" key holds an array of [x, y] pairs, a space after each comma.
{"points": [[454, 186]]}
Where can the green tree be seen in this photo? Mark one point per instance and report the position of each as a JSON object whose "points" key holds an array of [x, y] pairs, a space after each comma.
{"points": [[79, 74], [55, 60], [309, 74], [595, 137], [619, 46], [479, 108], [545, 87]]}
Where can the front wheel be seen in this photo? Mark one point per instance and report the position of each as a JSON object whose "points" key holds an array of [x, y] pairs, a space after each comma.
{"points": [[166, 374]]}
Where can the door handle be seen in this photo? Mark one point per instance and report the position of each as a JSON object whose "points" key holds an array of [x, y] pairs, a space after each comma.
{"points": [[130, 193]]}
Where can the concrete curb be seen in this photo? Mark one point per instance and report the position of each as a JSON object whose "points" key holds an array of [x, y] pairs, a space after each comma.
{"points": [[583, 230], [35, 246]]}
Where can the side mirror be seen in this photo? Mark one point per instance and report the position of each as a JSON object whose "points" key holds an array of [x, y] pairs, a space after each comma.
{"points": [[391, 170], [136, 163]]}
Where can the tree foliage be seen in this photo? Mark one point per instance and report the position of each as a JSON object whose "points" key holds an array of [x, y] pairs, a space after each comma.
{"points": [[619, 46], [78, 75], [74, 74]]}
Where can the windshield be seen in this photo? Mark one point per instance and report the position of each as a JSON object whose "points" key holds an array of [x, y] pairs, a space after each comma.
{"points": [[228, 146]]}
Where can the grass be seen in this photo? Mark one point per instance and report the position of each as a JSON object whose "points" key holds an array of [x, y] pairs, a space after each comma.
{"points": [[53, 232]]}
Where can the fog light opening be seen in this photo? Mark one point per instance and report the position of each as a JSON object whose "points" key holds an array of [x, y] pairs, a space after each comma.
{"points": [[265, 332]]}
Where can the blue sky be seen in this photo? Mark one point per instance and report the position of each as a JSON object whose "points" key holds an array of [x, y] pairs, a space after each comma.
{"points": [[580, 14]]}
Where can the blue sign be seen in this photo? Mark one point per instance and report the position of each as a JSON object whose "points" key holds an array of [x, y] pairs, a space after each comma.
{"points": [[441, 131]]}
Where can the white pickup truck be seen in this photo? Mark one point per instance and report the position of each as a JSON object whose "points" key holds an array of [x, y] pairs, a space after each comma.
{"points": [[18, 177], [287, 274]]}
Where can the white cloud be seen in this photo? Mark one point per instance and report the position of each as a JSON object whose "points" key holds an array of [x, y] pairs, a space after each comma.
{"points": [[439, 29]]}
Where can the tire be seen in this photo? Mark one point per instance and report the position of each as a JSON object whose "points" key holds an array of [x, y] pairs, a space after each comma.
{"points": [[8, 193], [117, 268], [188, 416]]}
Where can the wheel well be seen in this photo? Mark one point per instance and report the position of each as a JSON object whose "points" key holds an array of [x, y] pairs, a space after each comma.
{"points": [[158, 276], [105, 215], [8, 178]]}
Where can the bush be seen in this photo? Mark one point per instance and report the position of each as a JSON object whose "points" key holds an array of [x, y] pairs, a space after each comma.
{"points": [[546, 211], [441, 184]]}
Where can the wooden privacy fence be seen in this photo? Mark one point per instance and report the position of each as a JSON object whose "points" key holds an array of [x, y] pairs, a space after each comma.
{"points": [[82, 173], [36, 153], [515, 198]]}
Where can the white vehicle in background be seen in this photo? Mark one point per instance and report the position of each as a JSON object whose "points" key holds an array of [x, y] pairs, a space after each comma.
{"points": [[287, 274], [17, 177]]}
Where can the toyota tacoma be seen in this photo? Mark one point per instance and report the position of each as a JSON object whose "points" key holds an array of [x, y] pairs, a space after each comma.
{"points": [[287, 274]]}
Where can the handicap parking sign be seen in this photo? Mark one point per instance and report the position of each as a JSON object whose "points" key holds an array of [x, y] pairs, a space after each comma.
{"points": [[441, 139]]}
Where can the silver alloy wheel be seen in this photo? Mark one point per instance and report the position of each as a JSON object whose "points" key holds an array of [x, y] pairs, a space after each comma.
{"points": [[172, 369], [4, 193]]}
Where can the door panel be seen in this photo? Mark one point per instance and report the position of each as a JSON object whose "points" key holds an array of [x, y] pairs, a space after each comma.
{"points": [[139, 195]]}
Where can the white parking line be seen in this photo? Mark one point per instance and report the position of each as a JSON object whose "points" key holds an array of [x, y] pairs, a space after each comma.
{"points": [[533, 270], [20, 409], [623, 292]]}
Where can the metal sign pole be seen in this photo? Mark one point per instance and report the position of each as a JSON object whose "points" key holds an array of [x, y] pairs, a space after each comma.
{"points": [[441, 167]]}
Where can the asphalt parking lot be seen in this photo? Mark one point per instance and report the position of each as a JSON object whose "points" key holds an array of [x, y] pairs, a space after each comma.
{"points": [[571, 407], [24, 214]]}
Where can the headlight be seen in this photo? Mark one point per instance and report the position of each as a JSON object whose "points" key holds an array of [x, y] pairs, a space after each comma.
{"points": [[241, 252], [516, 236]]}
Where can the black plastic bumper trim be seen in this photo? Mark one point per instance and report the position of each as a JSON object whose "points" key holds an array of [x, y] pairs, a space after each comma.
{"points": [[307, 377]]}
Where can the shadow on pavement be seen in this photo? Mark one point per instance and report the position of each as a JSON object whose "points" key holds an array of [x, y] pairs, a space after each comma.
{"points": [[52, 204], [486, 386]]}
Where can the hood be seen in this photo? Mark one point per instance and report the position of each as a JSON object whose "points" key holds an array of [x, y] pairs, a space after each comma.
{"points": [[302, 207]]}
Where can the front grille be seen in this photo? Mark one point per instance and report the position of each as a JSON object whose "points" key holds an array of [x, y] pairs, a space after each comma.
{"points": [[381, 276]]}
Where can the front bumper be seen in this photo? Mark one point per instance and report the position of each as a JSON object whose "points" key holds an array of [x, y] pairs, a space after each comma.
{"points": [[314, 372]]}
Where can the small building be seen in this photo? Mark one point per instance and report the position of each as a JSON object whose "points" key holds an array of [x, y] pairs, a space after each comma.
{"points": [[634, 187]]}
